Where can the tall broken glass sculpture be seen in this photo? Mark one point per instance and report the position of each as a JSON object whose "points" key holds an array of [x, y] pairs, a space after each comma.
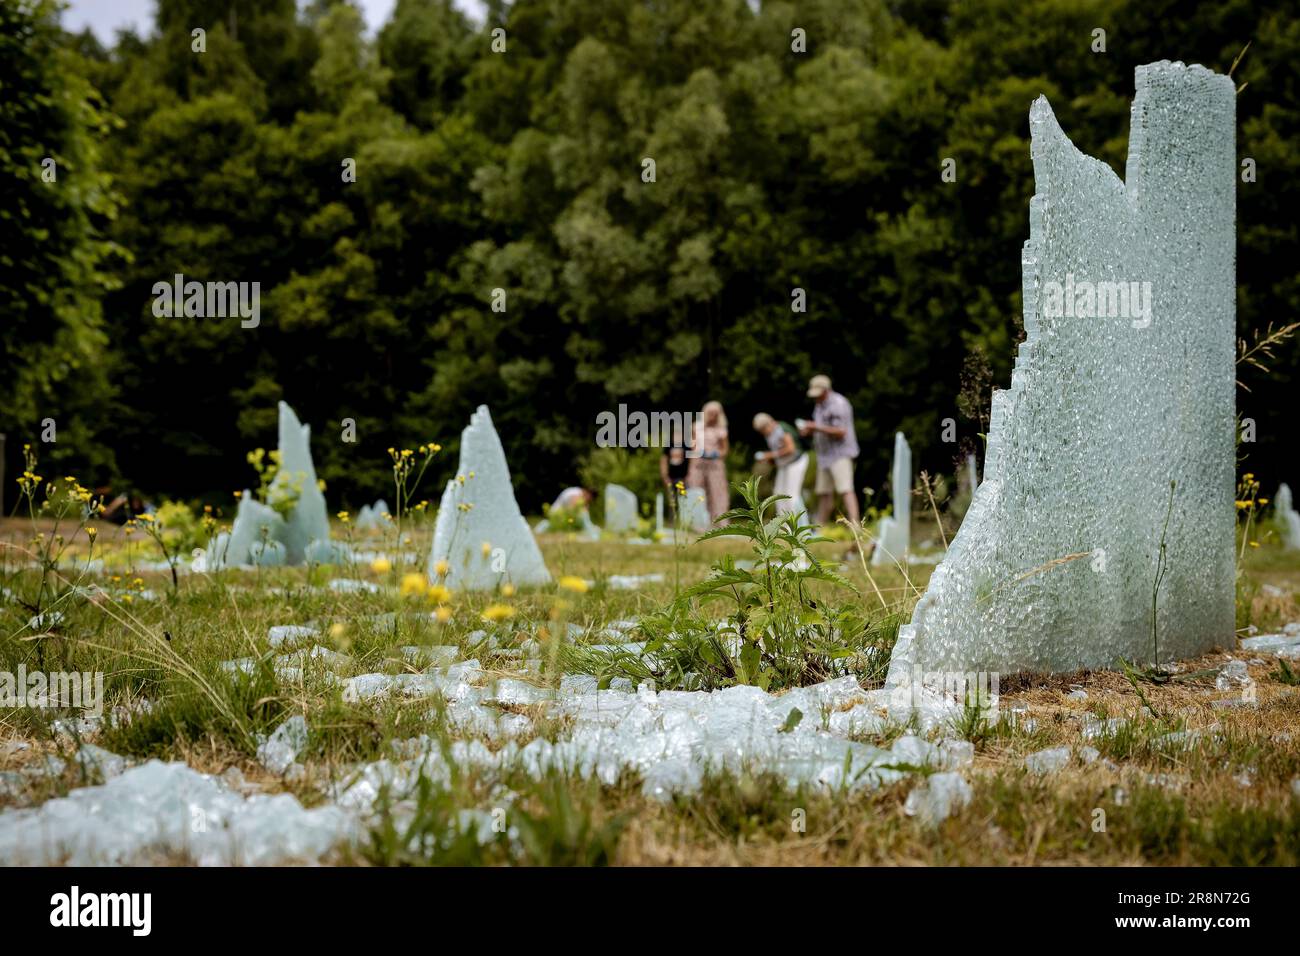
{"points": [[292, 521], [1287, 519], [480, 532], [896, 530], [620, 509], [1116, 434]]}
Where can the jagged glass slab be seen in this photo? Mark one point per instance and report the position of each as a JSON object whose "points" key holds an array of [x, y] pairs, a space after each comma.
{"points": [[480, 531], [1287, 518], [1055, 565], [620, 509], [896, 530], [259, 534]]}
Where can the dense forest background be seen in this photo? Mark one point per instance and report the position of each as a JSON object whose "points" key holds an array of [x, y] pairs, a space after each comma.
{"points": [[522, 170]]}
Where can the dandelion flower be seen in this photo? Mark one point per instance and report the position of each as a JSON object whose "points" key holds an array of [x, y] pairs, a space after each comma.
{"points": [[571, 582], [413, 583], [441, 568], [381, 565], [507, 590], [487, 548], [439, 593], [498, 612], [442, 613]]}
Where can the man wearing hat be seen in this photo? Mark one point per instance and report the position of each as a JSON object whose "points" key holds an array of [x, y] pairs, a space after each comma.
{"points": [[836, 446]]}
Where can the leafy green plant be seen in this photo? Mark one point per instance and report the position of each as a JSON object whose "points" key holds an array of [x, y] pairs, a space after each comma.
{"points": [[61, 505], [563, 520], [267, 466], [408, 472], [778, 632], [636, 470]]}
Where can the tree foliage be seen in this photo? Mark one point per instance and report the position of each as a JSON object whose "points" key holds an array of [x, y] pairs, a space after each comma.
{"points": [[522, 171]]}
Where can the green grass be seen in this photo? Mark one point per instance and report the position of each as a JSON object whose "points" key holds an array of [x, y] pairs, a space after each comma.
{"points": [[169, 652]]}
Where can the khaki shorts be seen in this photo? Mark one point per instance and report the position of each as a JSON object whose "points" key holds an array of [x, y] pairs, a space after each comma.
{"points": [[838, 476]]}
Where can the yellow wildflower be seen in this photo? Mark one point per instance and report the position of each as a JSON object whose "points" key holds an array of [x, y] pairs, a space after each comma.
{"points": [[414, 583], [441, 568], [439, 593], [381, 565], [571, 582], [507, 590], [487, 548], [443, 614], [498, 612]]}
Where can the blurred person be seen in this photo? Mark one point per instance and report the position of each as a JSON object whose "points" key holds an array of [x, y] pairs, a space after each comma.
{"points": [[788, 456], [674, 468], [569, 504], [573, 498], [708, 471], [836, 446]]}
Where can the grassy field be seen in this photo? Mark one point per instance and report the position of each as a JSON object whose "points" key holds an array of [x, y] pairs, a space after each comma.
{"points": [[1181, 780]]}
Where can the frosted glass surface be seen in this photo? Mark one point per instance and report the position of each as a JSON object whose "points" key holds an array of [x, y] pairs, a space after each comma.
{"points": [[1054, 565], [371, 517], [255, 521], [296, 477], [896, 530], [480, 531], [694, 511], [620, 509], [1287, 519], [251, 517]]}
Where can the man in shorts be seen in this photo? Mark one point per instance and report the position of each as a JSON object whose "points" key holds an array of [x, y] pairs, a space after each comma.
{"points": [[836, 446]]}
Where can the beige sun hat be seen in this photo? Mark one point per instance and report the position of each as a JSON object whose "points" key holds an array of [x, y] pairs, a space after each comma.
{"points": [[818, 385]]}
